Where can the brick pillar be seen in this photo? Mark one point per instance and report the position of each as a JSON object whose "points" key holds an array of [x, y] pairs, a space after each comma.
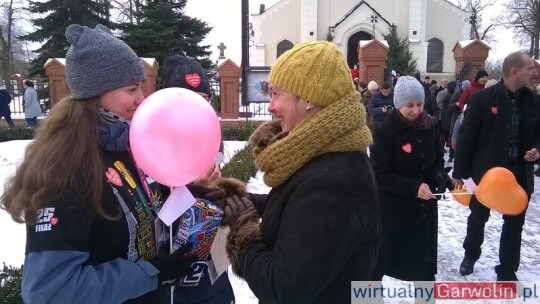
{"points": [[55, 69], [150, 84], [371, 59], [229, 74], [475, 51]]}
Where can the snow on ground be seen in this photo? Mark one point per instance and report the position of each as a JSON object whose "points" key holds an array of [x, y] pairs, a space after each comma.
{"points": [[452, 228]]}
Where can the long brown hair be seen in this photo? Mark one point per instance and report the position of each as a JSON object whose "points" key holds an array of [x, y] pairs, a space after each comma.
{"points": [[64, 159]]}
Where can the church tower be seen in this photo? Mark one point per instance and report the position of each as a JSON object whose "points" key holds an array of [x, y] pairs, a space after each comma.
{"points": [[308, 20]]}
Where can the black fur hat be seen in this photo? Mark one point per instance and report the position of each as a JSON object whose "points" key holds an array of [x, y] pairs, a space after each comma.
{"points": [[480, 74], [183, 72]]}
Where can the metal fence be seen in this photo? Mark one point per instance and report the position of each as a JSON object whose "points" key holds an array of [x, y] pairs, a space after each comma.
{"points": [[251, 110]]}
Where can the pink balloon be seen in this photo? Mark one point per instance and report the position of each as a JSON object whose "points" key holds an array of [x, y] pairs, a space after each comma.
{"points": [[174, 136]]}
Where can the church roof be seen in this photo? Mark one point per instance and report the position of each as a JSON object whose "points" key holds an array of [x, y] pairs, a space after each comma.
{"points": [[355, 8]]}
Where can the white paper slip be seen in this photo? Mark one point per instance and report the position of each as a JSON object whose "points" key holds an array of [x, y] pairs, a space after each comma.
{"points": [[218, 252], [178, 202], [470, 184], [219, 158]]}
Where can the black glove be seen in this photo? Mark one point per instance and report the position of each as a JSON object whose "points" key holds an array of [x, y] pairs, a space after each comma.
{"points": [[175, 265], [443, 180]]}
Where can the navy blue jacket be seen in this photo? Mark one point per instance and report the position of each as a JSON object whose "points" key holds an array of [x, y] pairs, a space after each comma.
{"points": [[74, 256], [5, 99], [375, 105]]}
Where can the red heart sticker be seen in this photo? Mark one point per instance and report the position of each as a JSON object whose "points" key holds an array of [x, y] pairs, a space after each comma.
{"points": [[54, 220], [407, 148], [193, 79], [494, 110]]}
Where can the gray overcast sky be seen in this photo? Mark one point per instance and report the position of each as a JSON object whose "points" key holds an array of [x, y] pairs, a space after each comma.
{"points": [[224, 17]]}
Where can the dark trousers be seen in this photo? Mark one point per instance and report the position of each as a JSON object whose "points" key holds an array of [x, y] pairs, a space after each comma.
{"points": [[31, 122], [510, 242], [8, 119]]}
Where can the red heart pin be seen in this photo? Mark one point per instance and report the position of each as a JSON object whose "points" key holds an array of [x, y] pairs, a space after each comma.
{"points": [[193, 79], [54, 220], [407, 148], [494, 110]]}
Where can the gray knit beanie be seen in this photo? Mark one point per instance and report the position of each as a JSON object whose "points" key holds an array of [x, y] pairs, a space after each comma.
{"points": [[465, 84], [408, 90], [97, 62]]}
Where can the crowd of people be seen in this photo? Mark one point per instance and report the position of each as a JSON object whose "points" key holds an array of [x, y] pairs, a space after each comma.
{"points": [[498, 129], [334, 215]]}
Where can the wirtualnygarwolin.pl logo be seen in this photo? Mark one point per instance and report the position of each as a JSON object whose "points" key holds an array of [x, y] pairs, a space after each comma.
{"points": [[444, 292]]}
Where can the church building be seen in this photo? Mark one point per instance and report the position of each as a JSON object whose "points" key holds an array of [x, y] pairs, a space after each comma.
{"points": [[433, 28]]}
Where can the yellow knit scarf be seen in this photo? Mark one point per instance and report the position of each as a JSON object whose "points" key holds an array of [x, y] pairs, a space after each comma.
{"points": [[340, 127]]}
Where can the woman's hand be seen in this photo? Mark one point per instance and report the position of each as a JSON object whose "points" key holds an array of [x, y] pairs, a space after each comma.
{"points": [[458, 183], [425, 193], [531, 155], [209, 177]]}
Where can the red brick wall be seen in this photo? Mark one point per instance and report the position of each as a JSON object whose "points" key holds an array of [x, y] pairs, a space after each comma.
{"points": [[476, 52], [371, 60], [229, 74]]}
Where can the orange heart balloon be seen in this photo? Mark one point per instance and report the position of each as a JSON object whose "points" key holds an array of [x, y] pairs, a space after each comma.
{"points": [[460, 195], [499, 190]]}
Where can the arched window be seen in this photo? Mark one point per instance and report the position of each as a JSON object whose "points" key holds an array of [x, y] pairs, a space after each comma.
{"points": [[435, 54], [283, 46]]}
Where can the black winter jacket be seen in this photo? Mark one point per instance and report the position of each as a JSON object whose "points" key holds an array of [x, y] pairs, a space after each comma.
{"points": [[484, 135], [403, 158], [320, 230]]}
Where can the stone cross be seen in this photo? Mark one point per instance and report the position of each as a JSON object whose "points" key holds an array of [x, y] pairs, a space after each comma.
{"points": [[221, 48]]}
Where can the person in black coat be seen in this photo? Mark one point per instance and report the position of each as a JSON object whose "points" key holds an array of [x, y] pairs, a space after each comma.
{"points": [[187, 73], [5, 100], [431, 107], [320, 222], [501, 128], [446, 114], [408, 161]]}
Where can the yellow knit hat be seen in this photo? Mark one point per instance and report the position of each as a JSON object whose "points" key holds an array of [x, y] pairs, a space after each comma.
{"points": [[315, 71]]}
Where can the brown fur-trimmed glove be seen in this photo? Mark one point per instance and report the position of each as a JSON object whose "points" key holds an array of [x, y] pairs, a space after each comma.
{"points": [[266, 134], [245, 230], [225, 189]]}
